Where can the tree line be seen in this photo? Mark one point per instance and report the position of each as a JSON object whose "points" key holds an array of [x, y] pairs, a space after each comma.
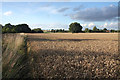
{"points": [[73, 27], [95, 29], [20, 28], [76, 28]]}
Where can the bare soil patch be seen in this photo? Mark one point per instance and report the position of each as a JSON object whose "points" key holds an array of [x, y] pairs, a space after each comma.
{"points": [[81, 55]]}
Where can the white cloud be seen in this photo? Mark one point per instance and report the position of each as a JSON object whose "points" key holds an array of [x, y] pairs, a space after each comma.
{"points": [[105, 25], [84, 25], [91, 25], [7, 13], [112, 25], [112, 5], [50, 26]]}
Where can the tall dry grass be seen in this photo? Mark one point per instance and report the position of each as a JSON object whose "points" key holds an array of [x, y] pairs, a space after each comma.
{"points": [[14, 56]]}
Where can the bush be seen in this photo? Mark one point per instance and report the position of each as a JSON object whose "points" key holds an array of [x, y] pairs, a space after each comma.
{"points": [[58, 30], [86, 30], [37, 30]]}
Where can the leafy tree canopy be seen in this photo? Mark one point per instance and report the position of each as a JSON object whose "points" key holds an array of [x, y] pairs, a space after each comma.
{"points": [[75, 27], [8, 28]]}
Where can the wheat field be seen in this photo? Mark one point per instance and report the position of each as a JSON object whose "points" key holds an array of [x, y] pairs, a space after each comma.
{"points": [[77, 55]]}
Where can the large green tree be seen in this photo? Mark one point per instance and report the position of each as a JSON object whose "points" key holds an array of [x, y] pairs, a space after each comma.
{"points": [[75, 27]]}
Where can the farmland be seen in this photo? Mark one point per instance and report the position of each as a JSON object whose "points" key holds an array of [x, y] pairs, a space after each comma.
{"points": [[82, 55], [77, 55]]}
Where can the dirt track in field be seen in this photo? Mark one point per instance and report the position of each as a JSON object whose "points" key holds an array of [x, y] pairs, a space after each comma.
{"points": [[82, 55]]}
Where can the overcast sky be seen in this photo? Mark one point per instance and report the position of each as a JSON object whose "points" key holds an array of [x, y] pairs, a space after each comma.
{"points": [[58, 15]]}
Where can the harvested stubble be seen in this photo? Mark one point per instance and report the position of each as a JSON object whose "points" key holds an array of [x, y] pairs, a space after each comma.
{"points": [[81, 55]]}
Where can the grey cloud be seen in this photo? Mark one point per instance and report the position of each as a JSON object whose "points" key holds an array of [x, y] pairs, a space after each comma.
{"points": [[62, 9], [78, 8], [96, 14]]}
